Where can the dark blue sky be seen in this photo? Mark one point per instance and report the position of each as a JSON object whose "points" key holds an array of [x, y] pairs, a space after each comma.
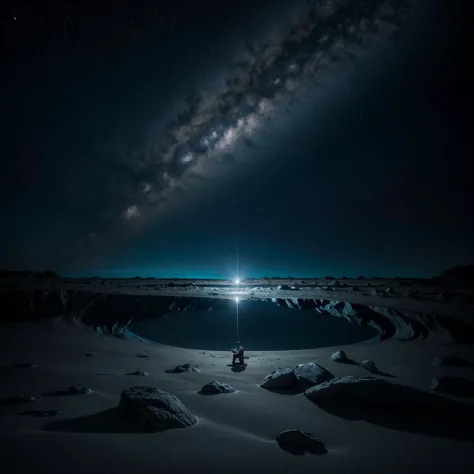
{"points": [[369, 171]]}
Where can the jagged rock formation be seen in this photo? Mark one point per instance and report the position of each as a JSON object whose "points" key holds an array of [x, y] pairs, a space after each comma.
{"points": [[111, 313]]}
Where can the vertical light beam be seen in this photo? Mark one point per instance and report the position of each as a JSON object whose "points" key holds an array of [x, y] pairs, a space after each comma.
{"points": [[237, 318]]}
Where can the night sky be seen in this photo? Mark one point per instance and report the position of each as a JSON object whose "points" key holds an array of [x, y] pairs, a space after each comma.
{"points": [[148, 138]]}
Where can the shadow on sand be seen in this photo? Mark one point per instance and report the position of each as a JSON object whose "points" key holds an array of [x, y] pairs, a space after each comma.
{"points": [[238, 368], [107, 421], [63, 393], [375, 372], [348, 362], [410, 410], [382, 374], [297, 450]]}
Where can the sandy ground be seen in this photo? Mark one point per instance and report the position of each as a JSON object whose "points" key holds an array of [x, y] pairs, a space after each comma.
{"points": [[235, 432]]}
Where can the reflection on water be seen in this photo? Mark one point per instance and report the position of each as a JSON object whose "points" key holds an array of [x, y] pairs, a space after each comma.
{"points": [[261, 326]]}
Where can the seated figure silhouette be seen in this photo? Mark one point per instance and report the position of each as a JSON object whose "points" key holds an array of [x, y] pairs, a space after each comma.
{"points": [[238, 353]]}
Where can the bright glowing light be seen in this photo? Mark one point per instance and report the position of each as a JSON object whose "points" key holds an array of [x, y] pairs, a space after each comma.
{"points": [[236, 299], [237, 281]]}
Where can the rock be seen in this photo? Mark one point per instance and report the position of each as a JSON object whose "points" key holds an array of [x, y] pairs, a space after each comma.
{"points": [[214, 388], [139, 373], [154, 409], [311, 374], [280, 378], [26, 365], [41, 413], [453, 386], [369, 365], [372, 393], [300, 442], [389, 291], [185, 368], [17, 400], [350, 389], [144, 356], [452, 362], [77, 390], [283, 287], [339, 356]]}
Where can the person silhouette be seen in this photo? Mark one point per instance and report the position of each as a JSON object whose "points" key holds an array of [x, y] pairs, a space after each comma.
{"points": [[238, 353]]}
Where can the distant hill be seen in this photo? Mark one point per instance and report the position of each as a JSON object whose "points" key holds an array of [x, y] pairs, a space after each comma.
{"points": [[459, 274]]}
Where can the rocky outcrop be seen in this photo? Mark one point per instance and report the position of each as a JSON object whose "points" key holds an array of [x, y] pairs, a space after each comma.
{"points": [[370, 391], [184, 368], [462, 274], [152, 409], [339, 356], [311, 374], [111, 313], [369, 365], [390, 322], [280, 379]]}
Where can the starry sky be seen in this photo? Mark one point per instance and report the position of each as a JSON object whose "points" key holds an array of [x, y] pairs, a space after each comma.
{"points": [[321, 136]]}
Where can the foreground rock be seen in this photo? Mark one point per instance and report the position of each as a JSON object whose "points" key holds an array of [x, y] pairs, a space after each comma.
{"points": [[214, 388], [373, 392], [280, 378], [339, 356], [453, 386], [153, 409], [311, 374], [185, 368], [369, 365], [300, 442]]}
